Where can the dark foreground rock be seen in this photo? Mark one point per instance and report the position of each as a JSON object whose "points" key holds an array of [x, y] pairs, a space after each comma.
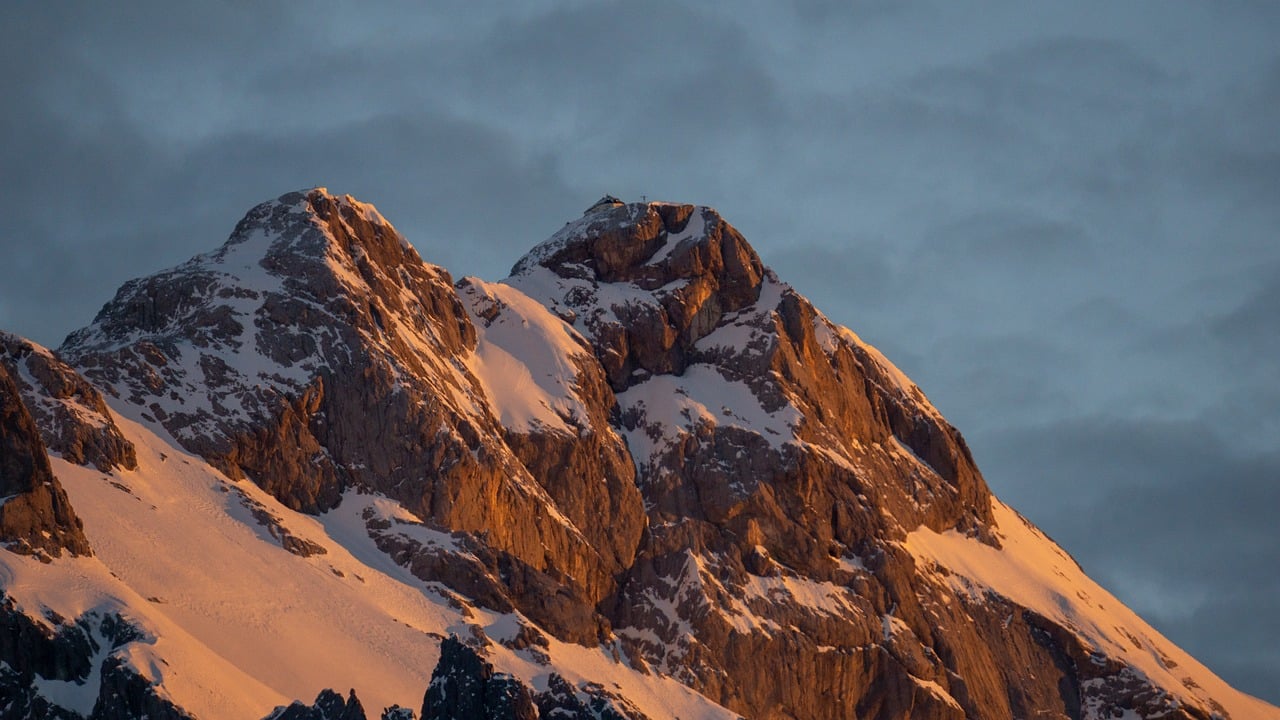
{"points": [[329, 705], [126, 695], [465, 687], [70, 650]]}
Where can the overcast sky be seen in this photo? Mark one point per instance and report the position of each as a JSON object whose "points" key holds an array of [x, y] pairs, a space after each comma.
{"points": [[1063, 221]]}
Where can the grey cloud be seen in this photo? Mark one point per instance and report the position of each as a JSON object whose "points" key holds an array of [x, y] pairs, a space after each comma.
{"points": [[1252, 329], [849, 274]]}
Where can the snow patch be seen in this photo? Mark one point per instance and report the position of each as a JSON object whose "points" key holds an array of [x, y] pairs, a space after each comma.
{"points": [[672, 405], [526, 359]]}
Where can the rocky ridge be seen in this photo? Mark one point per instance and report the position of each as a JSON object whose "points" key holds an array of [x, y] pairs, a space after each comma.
{"points": [[642, 441]]}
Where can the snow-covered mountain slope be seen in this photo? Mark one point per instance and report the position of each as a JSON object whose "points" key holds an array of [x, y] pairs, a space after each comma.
{"points": [[1031, 571], [642, 476], [232, 624]]}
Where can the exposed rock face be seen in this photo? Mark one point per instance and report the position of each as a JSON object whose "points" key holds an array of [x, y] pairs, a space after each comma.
{"points": [[36, 517], [782, 460], [73, 418], [620, 244], [237, 352], [329, 705], [777, 454]]}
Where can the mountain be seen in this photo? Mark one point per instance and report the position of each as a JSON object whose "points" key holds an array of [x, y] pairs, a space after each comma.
{"points": [[641, 477]]}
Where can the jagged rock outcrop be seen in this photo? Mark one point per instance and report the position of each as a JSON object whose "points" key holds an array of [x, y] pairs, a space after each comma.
{"points": [[127, 695], [329, 705], [53, 650], [647, 247], [19, 700], [74, 420], [465, 687], [71, 650], [779, 458], [36, 517], [563, 700]]}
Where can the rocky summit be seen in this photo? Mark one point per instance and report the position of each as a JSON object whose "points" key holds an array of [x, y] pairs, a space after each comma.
{"points": [[642, 477]]}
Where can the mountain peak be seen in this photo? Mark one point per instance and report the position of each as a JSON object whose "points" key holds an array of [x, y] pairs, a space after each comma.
{"points": [[606, 201], [307, 243], [307, 285], [651, 245], [316, 222]]}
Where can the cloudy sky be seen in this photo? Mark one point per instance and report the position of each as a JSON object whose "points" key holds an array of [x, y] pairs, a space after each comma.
{"points": [[1063, 221]]}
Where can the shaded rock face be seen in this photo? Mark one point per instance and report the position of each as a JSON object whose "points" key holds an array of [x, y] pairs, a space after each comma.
{"points": [[36, 517], [60, 649], [30, 648], [329, 705], [126, 695], [465, 687], [563, 700], [73, 418], [19, 700]]}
